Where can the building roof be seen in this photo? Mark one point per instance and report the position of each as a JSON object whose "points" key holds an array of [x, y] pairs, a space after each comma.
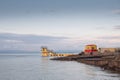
{"points": [[91, 45]]}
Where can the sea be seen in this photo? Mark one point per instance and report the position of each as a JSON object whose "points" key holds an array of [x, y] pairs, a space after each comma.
{"points": [[31, 66]]}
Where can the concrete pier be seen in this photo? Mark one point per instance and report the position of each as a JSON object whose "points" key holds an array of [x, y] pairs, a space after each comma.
{"points": [[46, 53]]}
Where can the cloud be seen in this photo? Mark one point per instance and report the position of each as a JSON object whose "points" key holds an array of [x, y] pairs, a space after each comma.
{"points": [[109, 41], [117, 27], [9, 37], [9, 41], [25, 42], [117, 11], [109, 37]]}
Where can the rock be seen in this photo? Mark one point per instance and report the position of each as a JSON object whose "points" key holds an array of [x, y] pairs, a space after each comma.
{"points": [[110, 62]]}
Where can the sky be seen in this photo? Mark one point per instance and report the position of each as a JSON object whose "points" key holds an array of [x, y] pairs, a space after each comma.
{"points": [[59, 24]]}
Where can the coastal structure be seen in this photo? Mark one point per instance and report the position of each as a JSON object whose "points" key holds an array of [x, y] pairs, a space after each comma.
{"points": [[109, 50], [46, 53], [90, 49]]}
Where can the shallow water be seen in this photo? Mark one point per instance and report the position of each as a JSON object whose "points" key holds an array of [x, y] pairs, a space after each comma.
{"points": [[34, 67]]}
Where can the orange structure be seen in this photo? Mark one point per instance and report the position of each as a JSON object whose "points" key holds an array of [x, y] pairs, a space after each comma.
{"points": [[89, 49]]}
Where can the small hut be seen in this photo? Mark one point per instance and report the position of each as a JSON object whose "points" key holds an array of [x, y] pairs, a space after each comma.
{"points": [[90, 49]]}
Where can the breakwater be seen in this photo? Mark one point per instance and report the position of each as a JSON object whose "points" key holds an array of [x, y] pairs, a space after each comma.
{"points": [[110, 62]]}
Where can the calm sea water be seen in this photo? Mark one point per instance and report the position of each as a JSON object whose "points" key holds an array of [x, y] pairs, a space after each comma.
{"points": [[34, 67]]}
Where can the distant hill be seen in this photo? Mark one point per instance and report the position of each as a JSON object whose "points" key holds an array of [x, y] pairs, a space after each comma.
{"points": [[24, 51], [17, 51]]}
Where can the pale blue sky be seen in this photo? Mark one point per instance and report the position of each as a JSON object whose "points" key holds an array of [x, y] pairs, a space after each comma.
{"points": [[80, 21]]}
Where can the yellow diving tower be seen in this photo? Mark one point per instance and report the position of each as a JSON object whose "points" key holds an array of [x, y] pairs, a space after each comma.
{"points": [[45, 52]]}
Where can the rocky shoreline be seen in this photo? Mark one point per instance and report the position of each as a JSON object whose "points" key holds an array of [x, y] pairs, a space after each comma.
{"points": [[109, 62]]}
